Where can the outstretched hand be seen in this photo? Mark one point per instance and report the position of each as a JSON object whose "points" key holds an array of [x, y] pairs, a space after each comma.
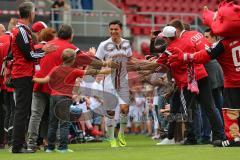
{"points": [[92, 51], [111, 64]]}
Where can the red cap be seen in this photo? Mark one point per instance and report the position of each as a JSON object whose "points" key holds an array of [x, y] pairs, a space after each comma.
{"points": [[38, 26]]}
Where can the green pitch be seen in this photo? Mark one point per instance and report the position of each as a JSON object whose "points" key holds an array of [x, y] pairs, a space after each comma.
{"points": [[139, 148]]}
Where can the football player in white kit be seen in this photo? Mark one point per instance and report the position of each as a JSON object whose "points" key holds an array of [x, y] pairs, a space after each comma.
{"points": [[119, 50]]}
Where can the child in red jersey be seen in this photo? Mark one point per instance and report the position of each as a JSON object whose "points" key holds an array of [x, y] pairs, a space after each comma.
{"points": [[63, 77]]}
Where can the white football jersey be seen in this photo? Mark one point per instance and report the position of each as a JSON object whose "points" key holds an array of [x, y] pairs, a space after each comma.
{"points": [[118, 53]]}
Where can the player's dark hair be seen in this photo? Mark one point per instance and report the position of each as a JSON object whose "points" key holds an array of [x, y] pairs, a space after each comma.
{"points": [[65, 32], [177, 24], [116, 22], [25, 9]]}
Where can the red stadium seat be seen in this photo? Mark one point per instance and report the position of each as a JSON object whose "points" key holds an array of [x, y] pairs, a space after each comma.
{"points": [[177, 6], [147, 30], [136, 30]]}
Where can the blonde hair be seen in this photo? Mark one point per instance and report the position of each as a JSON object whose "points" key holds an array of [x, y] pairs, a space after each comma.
{"points": [[12, 23], [68, 56]]}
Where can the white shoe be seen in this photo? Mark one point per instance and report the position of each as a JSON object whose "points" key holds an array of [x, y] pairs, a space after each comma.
{"points": [[156, 136], [166, 141]]}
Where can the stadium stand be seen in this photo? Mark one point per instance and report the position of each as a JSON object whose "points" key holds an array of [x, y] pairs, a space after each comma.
{"points": [[131, 8]]}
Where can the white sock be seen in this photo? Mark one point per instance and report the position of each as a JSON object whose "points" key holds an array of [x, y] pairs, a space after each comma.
{"points": [[123, 123], [110, 128]]}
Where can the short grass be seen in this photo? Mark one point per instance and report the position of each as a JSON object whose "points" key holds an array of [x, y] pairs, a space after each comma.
{"points": [[139, 148]]}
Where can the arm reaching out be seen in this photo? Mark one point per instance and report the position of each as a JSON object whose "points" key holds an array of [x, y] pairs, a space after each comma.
{"points": [[202, 56], [41, 80]]}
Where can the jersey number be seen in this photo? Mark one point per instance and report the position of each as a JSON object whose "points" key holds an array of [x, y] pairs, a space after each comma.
{"points": [[236, 56]]}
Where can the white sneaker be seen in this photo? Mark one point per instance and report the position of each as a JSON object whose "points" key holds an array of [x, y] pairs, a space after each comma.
{"points": [[166, 141], [156, 136]]}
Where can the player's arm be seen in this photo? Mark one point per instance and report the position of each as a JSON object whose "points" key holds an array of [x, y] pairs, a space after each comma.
{"points": [[41, 80], [137, 65], [95, 71]]}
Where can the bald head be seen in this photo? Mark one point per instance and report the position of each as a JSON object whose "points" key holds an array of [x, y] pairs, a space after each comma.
{"points": [[2, 29]]}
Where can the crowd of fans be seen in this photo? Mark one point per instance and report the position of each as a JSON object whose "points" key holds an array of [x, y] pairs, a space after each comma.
{"points": [[170, 101]]}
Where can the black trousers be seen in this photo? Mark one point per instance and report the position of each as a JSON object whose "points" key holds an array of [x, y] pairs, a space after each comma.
{"points": [[205, 99], [2, 115], [9, 106], [23, 89]]}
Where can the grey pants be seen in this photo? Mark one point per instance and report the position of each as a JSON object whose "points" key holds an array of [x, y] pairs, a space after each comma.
{"points": [[39, 102]]}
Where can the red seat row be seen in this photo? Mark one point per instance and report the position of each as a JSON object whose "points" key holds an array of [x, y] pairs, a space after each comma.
{"points": [[177, 6]]}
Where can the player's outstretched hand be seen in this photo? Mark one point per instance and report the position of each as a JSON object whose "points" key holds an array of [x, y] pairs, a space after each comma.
{"points": [[111, 64]]}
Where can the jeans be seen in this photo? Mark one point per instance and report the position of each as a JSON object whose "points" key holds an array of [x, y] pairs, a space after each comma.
{"points": [[53, 126], [218, 99], [206, 127], [197, 122], [39, 102], [75, 4]]}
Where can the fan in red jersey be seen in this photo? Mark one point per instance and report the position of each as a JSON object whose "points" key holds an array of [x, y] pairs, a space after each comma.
{"points": [[227, 52], [226, 21]]}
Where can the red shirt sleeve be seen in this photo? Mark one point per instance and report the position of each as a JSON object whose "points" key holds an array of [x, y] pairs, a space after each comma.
{"points": [[70, 78], [83, 60], [201, 57], [162, 59]]}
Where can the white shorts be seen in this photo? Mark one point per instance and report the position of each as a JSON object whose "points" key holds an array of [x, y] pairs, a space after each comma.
{"points": [[122, 94]]}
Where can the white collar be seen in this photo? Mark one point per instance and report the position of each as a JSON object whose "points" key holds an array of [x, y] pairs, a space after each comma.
{"points": [[182, 33]]}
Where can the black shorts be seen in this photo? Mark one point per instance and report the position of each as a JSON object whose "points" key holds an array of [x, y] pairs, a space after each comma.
{"points": [[231, 98]]}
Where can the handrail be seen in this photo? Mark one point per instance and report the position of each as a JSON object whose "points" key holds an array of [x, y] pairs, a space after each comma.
{"points": [[102, 18]]}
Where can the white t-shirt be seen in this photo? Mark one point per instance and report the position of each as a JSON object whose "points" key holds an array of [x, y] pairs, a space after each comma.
{"points": [[109, 50]]}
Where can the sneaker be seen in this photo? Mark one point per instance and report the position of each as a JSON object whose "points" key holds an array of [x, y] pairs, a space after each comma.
{"points": [[166, 141], [156, 136], [64, 150], [226, 143], [49, 150], [113, 143], [121, 140]]}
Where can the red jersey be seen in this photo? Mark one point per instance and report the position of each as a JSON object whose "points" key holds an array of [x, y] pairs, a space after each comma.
{"points": [[189, 42], [50, 60], [62, 80], [23, 52], [4, 47], [227, 52]]}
